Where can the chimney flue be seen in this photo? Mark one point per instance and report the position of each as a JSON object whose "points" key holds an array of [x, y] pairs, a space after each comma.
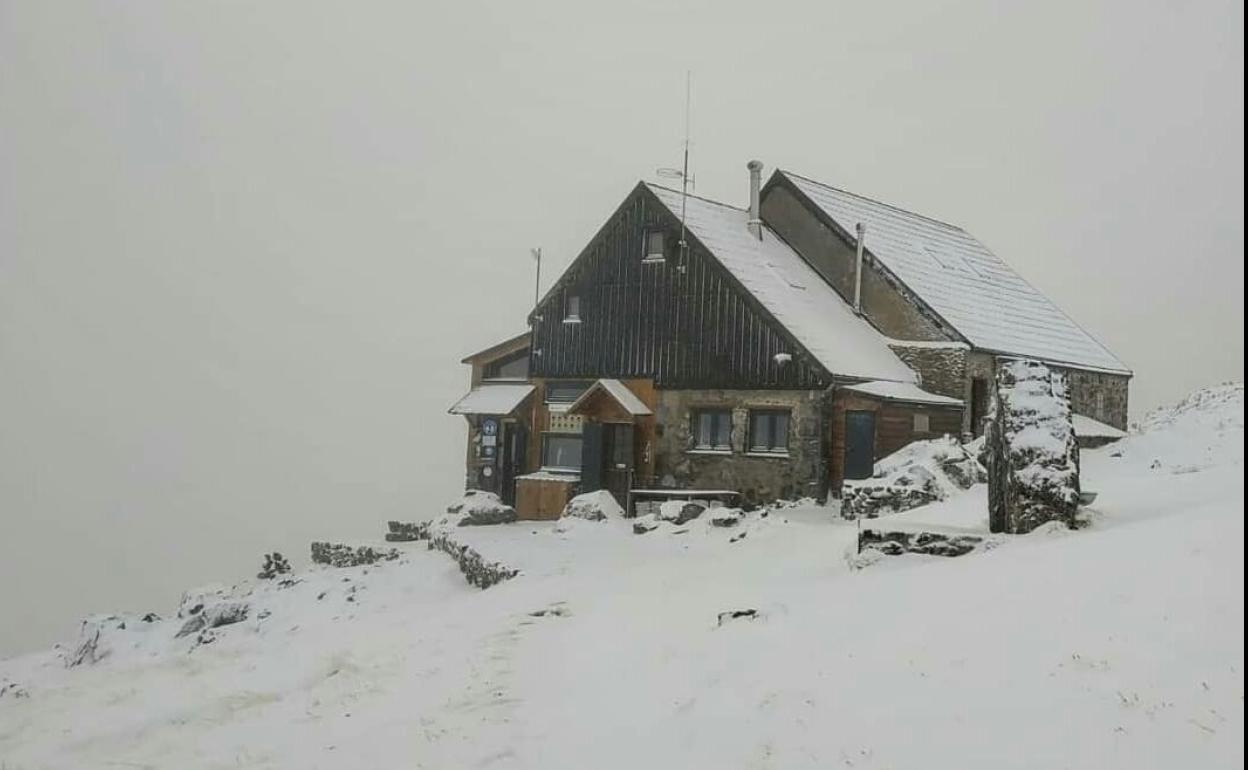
{"points": [[862, 234], [756, 179]]}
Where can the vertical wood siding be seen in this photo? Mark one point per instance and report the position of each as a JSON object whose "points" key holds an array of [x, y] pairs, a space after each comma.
{"points": [[694, 328]]}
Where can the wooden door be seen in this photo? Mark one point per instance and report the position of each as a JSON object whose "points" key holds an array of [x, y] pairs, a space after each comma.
{"points": [[618, 460], [592, 456], [859, 444]]}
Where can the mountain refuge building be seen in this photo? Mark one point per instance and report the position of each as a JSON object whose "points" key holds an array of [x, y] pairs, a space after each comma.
{"points": [[698, 349]]}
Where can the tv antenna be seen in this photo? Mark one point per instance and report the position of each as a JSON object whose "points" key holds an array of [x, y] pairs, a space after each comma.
{"points": [[682, 173]]}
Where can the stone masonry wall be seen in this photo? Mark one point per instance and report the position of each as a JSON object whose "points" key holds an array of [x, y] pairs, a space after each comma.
{"points": [[1099, 395], [759, 478], [942, 367]]}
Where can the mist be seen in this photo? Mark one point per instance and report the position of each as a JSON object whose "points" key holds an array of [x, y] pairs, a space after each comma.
{"points": [[243, 247]]}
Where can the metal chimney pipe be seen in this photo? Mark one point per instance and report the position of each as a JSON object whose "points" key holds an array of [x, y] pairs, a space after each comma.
{"points": [[755, 222], [862, 234]]}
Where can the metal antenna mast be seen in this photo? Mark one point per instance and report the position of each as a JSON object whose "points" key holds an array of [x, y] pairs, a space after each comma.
{"points": [[684, 172], [686, 179]]}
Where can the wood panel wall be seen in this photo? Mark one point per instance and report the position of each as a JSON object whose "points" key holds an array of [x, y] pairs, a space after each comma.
{"points": [[894, 427], [690, 326]]}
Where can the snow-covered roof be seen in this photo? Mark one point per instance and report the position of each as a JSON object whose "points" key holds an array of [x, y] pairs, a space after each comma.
{"points": [[493, 398], [790, 289], [618, 391], [902, 391], [1086, 427], [962, 281]]}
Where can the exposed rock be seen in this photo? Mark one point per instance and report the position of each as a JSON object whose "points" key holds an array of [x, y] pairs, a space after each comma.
{"points": [[929, 543], [724, 617], [406, 532], [341, 555], [223, 614], [1033, 454], [274, 564], [13, 690]]}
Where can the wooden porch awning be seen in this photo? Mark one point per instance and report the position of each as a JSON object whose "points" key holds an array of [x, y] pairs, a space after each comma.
{"points": [[493, 398], [614, 392]]}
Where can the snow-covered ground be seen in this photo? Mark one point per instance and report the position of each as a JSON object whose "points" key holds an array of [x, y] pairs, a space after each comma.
{"points": [[1118, 645]]}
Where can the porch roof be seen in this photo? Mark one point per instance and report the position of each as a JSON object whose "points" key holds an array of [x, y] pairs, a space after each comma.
{"points": [[619, 392], [493, 398], [902, 391]]}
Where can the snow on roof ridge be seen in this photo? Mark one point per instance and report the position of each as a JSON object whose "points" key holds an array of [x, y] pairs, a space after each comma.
{"points": [[702, 198]]}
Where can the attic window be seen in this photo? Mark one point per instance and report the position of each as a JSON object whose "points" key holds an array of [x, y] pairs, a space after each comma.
{"points": [[656, 246], [573, 314]]}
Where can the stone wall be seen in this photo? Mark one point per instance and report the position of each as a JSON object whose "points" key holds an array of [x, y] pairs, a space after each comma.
{"points": [[1099, 395], [941, 366], [759, 478]]}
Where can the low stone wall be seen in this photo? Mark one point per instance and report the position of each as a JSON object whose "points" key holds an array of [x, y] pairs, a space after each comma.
{"points": [[342, 555], [477, 570]]}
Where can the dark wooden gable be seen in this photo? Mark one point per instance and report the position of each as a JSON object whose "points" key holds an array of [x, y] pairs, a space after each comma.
{"points": [[693, 326]]}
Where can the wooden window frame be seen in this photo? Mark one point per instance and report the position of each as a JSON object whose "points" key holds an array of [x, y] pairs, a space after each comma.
{"points": [[646, 255], [546, 438], [718, 414], [771, 447]]}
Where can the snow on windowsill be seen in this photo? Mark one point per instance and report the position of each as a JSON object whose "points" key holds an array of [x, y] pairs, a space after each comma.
{"points": [[769, 455], [574, 319], [716, 452]]}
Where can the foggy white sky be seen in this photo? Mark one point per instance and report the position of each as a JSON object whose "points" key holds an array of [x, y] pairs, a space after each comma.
{"points": [[243, 246]]}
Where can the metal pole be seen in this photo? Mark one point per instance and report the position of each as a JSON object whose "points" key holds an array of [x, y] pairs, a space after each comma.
{"points": [[537, 284]]}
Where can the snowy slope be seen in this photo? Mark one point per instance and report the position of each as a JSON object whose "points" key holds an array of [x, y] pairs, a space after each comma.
{"points": [[1120, 645]]}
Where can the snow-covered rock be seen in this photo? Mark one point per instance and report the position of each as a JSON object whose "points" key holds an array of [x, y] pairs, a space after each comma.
{"points": [[917, 474], [679, 511], [1033, 453], [593, 506], [478, 508], [220, 614]]}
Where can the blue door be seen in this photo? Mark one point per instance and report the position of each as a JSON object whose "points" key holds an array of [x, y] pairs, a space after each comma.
{"points": [[859, 444]]}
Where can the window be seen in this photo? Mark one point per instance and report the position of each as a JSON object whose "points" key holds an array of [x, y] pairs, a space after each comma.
{"points": [[561, 451], [769, 430], [922, 423], [574, 310], [656, 245], [512, 368], [1100, 405], [712, 429], [565, 391]]}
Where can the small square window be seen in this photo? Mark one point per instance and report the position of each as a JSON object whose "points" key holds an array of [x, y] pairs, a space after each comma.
{"points": [[769, 430], [574, 309], [712, 429], [656, 245], [922, 423]]}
